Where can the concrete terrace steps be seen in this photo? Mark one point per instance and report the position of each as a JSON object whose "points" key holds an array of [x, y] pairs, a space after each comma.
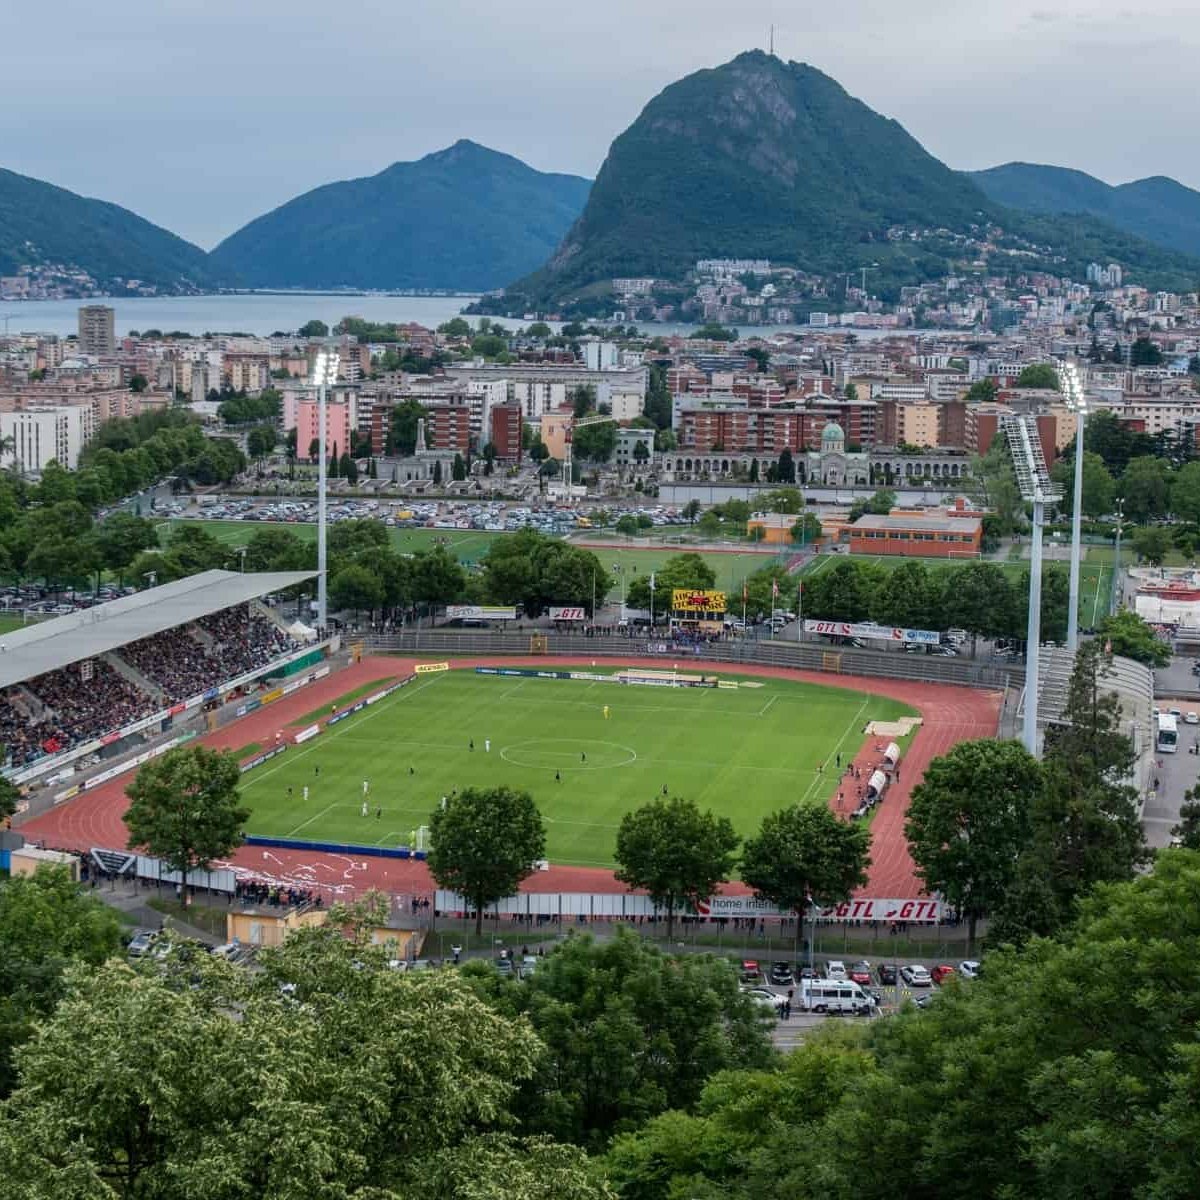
{"points": [[131, 674]]}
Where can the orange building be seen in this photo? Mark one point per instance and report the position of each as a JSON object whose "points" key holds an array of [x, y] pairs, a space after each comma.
{"points": [[917, 537]]}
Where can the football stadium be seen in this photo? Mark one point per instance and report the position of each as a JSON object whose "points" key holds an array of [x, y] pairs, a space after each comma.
{"points": [[346, 753]]}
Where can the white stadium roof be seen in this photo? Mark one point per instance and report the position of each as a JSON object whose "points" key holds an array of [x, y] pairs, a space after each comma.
{"points": [[50, 645]]}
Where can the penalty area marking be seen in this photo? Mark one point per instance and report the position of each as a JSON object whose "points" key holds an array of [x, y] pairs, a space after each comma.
{"points": [[578, 747]]}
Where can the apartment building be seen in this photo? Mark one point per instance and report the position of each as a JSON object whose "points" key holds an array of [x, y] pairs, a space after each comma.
{"points": [[32, 437], [97, 330]]}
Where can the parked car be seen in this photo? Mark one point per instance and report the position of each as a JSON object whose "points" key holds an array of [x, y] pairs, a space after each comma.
{"points": [[836, 970], [781, 974], [916, 976], [969, 969], [887, 973], [1191, 718], [505, 966], [141, 943], [860, 972], [941, 973], [765, 997]]}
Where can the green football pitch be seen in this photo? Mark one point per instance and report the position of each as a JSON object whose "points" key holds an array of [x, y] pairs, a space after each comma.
{"points": [[742, 752]]}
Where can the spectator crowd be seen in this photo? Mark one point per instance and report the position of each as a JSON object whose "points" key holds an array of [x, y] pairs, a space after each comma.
{"points": [[90, 699]]}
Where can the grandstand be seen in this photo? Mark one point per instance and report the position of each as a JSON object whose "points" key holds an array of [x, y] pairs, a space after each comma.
{"points": [[85, 683]]}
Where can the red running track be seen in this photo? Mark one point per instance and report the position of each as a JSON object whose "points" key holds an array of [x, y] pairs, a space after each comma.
{"points": [[949, 715]]}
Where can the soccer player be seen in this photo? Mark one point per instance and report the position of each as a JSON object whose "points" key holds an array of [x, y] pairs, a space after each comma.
{"points": [[606, 712], [583, 757], [487, 745], [365, 809], [306, 793], [366, 786], [471, 744]]}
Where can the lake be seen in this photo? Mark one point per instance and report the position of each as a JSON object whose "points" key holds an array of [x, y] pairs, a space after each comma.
{"points": [[263, 313]]}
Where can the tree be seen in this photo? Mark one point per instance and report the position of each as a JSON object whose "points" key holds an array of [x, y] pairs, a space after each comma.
{"points": [[788, 500], [371, 1082], [880, 504], [1038, 375], [1185, 493], [980, 601], [1145, 485], [1130, 637], [843, 592], [1188, 830], [785, 469], [485, 841], [677, 852], [628, 1032], [138, 383], [437, 472], [582, 399], [691, 510], [313, 329], [627, 525], [595, 443], [456, 327], [355, 587], [185, 809], [804, 856], [641, 453], [806, 529], [982, 391], [48, 923], [194, 548], [1144, 353], [688, 571], [10, 796], [458, 469], [1030, 1081], [1152, 542], [260, 441], [121, 538], [968, 820], [1099, 487]]}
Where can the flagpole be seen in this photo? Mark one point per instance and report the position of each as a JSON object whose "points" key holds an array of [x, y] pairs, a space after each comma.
{"points": [[774, 592], [800, 611]]}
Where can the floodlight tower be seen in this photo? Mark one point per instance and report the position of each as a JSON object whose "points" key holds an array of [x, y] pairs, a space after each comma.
{"points": [[1033, 479], [1073, 393], [324, 372]]}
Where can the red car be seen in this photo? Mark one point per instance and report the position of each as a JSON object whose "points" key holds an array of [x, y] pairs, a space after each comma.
{"points": [[861, 973], [942, 973]]}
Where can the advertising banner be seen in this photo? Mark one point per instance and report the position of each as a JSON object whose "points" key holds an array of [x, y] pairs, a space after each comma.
{"points": [[480, 612], [562, 612], [431, 668], [307, 734], [691, 601], [866, 629]]}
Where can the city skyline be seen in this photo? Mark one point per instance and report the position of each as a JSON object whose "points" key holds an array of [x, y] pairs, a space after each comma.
{"points": [[230, 128]]}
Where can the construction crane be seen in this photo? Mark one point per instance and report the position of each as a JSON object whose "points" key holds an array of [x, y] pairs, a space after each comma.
{"points": [[579, 423]]}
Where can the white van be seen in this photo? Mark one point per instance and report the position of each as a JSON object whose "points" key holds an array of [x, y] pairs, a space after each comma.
{"points": [[835, 996]]}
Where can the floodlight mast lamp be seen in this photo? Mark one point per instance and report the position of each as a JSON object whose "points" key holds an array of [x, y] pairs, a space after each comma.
{"points": [[1033, 480], [1073, 391], [324, 372]]}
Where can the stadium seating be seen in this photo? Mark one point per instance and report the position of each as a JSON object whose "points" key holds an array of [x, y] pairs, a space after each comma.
{"points": [[182, 662]]}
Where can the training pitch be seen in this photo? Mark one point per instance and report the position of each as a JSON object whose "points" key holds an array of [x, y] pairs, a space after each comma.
{"points": [[743, 752]]}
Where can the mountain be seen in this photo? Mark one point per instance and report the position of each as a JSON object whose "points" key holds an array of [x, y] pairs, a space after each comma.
{"points": [[43, 225], [761, 158], [465, 218], [1157, 209]]}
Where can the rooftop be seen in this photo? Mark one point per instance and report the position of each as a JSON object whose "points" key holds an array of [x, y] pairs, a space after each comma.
{"points": [[50, 645], [923, 524]]}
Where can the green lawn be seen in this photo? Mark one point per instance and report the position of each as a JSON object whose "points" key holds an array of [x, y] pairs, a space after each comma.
{"points": [[743, 752], [731, 567], [9, 622], [468, 544]]}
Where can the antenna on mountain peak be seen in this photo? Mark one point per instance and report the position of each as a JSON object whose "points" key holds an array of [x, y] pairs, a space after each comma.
{"points": [[772, 42]]}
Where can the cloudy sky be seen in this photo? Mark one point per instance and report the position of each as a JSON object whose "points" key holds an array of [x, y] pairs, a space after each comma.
{"points": [[201, 114]]}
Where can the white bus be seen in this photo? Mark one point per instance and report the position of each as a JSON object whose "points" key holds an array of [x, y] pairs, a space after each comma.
{"points": [[1166, 739]]}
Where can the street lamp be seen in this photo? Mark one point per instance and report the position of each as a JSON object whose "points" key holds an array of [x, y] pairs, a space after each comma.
{"points": [[1072, 385], [324, 372]]}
